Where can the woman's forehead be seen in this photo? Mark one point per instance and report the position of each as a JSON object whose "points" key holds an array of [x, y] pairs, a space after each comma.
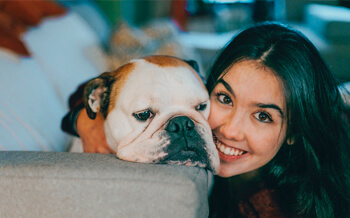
{"points": [[252, 80]]}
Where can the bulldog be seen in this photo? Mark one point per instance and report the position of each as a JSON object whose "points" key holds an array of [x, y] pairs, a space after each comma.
{"points": [[155, 111]]}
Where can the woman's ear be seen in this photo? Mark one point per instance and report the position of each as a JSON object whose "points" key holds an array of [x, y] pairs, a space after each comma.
{"points": [[291, 140]]}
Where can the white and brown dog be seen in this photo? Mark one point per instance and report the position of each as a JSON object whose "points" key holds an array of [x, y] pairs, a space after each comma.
{"points": [[156, 111]]}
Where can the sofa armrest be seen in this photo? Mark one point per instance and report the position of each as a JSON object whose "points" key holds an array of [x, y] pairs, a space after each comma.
{"points": [[60, 184]]}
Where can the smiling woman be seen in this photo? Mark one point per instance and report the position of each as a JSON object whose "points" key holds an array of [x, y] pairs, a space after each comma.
{"points": [[275, 111]]}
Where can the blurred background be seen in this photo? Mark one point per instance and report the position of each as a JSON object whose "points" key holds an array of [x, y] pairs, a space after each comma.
{"points": [[205, 26], [198, 29], [48, 48]]}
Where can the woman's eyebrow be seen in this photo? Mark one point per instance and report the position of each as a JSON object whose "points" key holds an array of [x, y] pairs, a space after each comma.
{"points": [[273, 106], [227, 86], [261, 105]]}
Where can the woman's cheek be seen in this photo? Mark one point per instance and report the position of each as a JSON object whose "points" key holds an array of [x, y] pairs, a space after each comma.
{"points": [[214, 116], [267, 141]]}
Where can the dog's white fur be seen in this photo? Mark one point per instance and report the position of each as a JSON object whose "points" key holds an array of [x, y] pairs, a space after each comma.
{"points": [[167, 91]]}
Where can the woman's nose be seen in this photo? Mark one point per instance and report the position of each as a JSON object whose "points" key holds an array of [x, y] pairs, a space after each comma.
{"points": [[233, 127]]}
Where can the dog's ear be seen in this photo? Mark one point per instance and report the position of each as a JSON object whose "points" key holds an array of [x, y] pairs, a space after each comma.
{"points": [[193, 64], [96, 95]]}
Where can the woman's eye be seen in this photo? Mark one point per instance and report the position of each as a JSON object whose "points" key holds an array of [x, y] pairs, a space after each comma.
{"points": [[263, 117], [224, 99], [201, 107], [144, 115]]}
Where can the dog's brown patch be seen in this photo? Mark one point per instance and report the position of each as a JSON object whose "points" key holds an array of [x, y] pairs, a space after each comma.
{"points": [[121, 75], [168, 61]]}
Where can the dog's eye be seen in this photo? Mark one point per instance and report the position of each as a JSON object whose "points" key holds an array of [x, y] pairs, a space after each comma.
{"points": [[143, 115], [201, 107]]}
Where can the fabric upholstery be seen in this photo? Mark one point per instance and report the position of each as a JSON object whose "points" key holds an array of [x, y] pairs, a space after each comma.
{"points": [[60, 184]]}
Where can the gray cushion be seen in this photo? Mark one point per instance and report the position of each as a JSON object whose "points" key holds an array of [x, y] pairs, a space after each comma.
{"points": [[59, 184]]}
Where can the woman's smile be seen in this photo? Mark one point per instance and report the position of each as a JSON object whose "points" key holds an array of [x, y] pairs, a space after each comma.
{"points": [[228, 153]]}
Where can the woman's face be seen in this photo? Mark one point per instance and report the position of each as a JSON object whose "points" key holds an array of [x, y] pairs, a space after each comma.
{"points": [[247, 117]]}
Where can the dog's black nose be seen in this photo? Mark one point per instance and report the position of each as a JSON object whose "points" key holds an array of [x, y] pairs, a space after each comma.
{"points": [[186, 144], [180, 124]]}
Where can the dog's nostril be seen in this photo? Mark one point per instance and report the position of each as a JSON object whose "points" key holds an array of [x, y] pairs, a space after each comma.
{"points": [[189, 124], [174, 127], [180, 124]]}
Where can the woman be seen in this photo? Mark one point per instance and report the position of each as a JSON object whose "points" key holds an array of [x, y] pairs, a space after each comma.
{"points": [[275, 103], [276, 120]]}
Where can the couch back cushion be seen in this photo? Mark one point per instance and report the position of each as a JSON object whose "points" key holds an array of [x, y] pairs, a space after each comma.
{"points": [[34, 91]]}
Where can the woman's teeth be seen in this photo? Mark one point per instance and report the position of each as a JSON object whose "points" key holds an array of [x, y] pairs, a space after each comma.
{"points": [[227, 150]]}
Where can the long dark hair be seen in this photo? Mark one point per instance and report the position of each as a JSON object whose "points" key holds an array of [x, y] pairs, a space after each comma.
{"points": [[310, 175]]}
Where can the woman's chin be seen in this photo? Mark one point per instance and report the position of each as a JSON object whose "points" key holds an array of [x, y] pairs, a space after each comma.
{"points": [[226, 172]]}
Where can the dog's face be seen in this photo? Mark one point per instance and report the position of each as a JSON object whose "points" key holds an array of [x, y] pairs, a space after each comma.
{"points": [[155, 111]]}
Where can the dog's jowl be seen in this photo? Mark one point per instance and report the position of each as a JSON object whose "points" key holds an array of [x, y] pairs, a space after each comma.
{"points": [[156, 111]]}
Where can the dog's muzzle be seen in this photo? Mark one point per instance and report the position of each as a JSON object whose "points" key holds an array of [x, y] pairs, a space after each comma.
{"points": [[186, 144]]}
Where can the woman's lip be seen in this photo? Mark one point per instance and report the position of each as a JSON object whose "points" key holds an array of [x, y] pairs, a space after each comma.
{"points": [[227, 158], [228, 153]]}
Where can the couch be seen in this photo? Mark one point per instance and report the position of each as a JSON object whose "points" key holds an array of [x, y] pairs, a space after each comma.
{"points": [[38, 178], [60, 184]]}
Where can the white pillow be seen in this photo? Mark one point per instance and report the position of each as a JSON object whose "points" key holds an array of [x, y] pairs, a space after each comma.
{"points": [[30, 110], [60, 47], [34, 91]]}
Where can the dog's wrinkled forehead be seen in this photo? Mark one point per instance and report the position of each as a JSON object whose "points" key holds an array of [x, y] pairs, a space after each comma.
{"points": [[157, 76], [167, 61]]}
